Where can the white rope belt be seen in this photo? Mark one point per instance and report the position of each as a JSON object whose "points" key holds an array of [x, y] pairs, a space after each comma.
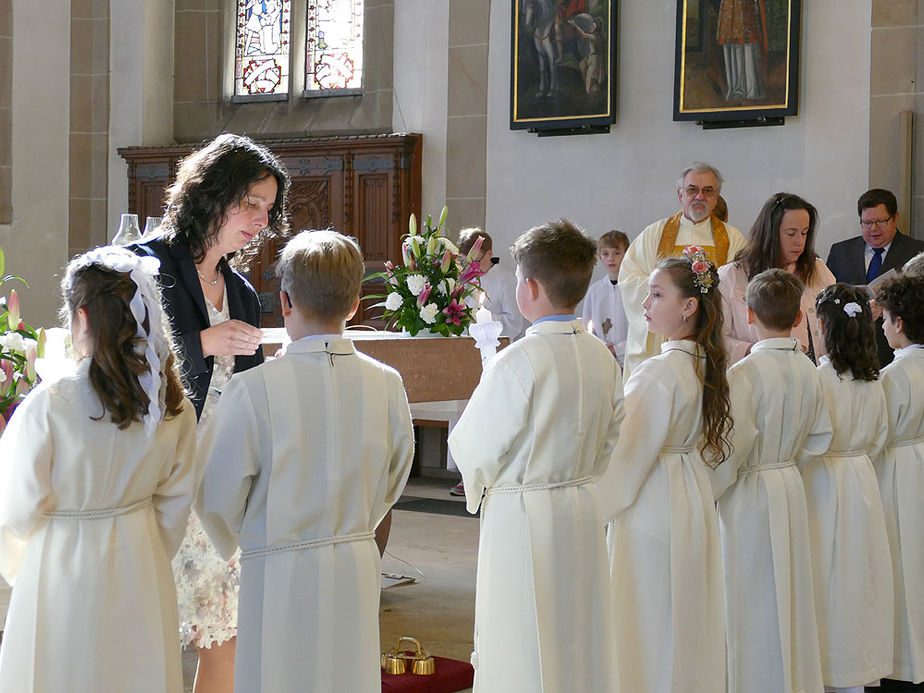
{"points": [[305, 545], [529, 488], [679, 449], [96, 514], [906, 443], [772, 465], [845, 453]]}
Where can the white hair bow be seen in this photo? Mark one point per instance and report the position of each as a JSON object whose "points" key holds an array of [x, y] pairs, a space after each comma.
{"points": [[852, 309]]}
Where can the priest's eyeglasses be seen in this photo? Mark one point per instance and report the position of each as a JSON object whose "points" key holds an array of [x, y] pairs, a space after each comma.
{"points": [[693, 191], [878, 223]]}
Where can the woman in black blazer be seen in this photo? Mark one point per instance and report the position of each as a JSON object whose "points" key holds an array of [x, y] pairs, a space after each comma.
{"points": [[228, 197]]}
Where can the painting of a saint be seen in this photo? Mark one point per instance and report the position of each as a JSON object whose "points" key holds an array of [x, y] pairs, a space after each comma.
{"points": [[736, 59]]}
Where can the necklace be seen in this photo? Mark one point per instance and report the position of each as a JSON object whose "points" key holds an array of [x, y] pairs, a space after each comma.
{"points": [[209, 281]]}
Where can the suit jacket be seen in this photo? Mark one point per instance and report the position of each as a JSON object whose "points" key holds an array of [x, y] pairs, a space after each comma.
{"points": [[848, 263], [184, 303]]}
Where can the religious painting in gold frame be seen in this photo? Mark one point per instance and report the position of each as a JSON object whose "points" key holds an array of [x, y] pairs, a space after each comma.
{"points": [[737, 61], [562, 64]]}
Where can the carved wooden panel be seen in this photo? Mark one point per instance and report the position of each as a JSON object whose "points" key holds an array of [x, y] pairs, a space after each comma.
{"points": [[363, 186]]}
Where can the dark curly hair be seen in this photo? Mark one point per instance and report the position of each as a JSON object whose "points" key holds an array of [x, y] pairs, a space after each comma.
{"points": [[849, 339], [707, 333], [763, 249], [115, 363], [213, 180], [902, 297]]}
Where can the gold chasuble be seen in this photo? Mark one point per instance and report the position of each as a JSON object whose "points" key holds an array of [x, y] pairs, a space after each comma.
{"points": [[717, 254], [666, 238]]}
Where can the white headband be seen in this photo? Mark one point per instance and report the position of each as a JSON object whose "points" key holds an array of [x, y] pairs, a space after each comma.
{"points": [[145, 304]]}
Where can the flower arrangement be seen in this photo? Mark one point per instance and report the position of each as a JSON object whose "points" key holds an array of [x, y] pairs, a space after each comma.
{"points": [[428, 292], [20, 345]]}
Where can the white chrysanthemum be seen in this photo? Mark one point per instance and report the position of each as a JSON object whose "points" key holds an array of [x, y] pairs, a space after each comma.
{"points": [[428, 313], [13, 341], [393, 301], [416, 283], [450, 246], [442, 288]]}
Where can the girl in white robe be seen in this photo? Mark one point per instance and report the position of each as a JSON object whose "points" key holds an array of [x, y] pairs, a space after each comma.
{"points": [[95, 491], [851, 565], [665, 561], [900, 468], [781, 421]]}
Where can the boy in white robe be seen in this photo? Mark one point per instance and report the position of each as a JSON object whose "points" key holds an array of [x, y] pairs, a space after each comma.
{"points": [[304, 456], [603, 312], [537, 431], [781, 419], [900, 469]]}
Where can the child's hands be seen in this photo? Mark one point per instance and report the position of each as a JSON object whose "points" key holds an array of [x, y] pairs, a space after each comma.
{"points": [[231, 338]]}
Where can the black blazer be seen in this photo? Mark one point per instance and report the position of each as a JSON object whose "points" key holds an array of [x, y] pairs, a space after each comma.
{"points": [[184, 304], [847, 261]]}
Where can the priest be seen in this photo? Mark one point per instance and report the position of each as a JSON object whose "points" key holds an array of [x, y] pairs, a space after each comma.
{"points": [[695, 224]]}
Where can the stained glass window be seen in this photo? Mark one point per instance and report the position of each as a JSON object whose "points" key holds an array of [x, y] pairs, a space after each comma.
{"points": [[334, 45], [261, 64]]}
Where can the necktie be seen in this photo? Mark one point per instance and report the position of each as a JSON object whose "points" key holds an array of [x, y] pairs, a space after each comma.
{"points": [[875, 264]]}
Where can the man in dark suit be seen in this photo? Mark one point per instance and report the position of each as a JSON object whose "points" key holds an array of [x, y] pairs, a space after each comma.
{"points": [[879, 248]]}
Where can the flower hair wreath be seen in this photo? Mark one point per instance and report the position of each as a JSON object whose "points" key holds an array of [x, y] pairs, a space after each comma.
{"points": [[700, 266]]}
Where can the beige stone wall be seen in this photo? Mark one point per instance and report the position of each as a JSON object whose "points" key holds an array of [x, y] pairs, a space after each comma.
{"points": [[6, 111], [89, 124], [204, 39], [896, 86], [467, 114]]}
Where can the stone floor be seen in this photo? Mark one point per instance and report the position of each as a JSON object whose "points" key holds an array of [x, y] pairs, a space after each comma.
{"points": [[439, 609]]}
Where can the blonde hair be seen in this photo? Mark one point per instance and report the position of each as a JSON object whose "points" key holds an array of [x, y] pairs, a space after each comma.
{"points": [[322, 272]]}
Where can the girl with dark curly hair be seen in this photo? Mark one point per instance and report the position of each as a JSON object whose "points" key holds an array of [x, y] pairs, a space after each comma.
{"points": [[850, 547]]}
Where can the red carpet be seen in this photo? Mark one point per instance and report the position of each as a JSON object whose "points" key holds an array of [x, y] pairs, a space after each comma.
{"points": [[451, 675]]}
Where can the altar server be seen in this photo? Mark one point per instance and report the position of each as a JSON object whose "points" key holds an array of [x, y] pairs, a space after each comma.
{"points": [[304, 456], [665, 559], [851, 567], [900, 467], [781, 420], [96, 480], [537, 431]]}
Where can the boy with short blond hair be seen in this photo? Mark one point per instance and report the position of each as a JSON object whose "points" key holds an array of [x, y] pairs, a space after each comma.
{"points": [[538, 430], [603, 313], [305, 455], [781, 421]]}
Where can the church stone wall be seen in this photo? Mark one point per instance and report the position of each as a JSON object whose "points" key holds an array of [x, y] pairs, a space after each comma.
{"points": [[896, 86]]}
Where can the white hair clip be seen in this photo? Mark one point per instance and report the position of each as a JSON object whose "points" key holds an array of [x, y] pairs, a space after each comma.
{"points": [[852, 309]]}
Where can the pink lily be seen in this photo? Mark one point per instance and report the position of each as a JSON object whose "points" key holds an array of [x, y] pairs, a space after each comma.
{"points": [[12, 308], [30, 363], [475, 249], [471, 272], [454, 312], [6, 384], [389, 267], [447, 260], [424, 295], [2, 424]]}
